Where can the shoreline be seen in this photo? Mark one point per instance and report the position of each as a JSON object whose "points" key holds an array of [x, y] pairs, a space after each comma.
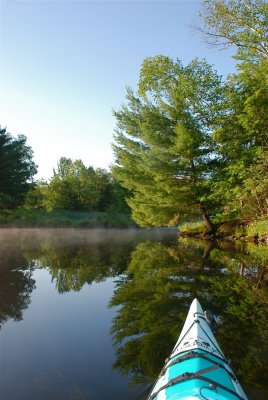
{"points": [[38, 218], [249, 239], [235, 230]]}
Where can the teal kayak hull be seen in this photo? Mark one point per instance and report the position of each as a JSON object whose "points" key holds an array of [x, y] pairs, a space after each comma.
{"points": [[197, 368]]}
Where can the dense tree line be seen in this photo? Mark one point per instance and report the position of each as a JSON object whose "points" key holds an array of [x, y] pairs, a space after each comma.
{"points": [[76, 187], [73, 186], [189, 143]]}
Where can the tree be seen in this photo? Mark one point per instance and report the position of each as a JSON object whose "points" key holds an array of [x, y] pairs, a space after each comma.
{"points": [[254, 196], [241, 23], [164, 152], [77, 187], [119, 195], [72, 187], [241, 128], [36, 195], [241, 134], [16, 169]]}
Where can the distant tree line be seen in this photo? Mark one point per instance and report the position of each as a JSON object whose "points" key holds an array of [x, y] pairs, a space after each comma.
{"points": [[73, 186], [191, 144], [76, 187]]}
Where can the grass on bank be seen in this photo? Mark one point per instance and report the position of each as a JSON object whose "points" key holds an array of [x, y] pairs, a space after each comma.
{"points": [[63, 218], [256, 229], [193, 228], [235, 229]]}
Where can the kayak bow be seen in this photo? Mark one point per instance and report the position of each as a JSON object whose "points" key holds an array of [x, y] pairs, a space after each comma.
{"points": [[197, 368]]}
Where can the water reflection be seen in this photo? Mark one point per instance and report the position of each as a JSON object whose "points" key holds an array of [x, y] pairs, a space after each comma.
{"points": [[155, 293], [16, 283], [73, 258], [156, 277], [71, 267], [61, 347]]}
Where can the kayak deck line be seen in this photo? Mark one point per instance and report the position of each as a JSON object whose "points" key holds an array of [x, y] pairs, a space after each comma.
{"points": [[197, 368], [196, 321], [204, 351], [187, 376], [193, 354]]}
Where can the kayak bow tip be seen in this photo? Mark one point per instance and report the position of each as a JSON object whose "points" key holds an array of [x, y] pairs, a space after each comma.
{"points": [[196, 307]]}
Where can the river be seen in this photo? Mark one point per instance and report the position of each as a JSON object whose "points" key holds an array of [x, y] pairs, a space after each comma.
{"points": [[92, 314]]}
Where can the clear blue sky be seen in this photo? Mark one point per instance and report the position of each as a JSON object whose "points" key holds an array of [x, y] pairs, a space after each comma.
{"points": [[66, 64]]}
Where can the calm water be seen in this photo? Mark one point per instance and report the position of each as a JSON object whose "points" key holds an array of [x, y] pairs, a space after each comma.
{"points": [[88, 314]]}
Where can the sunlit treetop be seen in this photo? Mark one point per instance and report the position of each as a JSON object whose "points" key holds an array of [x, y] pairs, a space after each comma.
{"points": [[242, 23]]}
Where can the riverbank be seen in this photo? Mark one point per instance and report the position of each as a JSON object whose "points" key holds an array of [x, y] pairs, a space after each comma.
{"points": [[38, 218], [244, 230]]}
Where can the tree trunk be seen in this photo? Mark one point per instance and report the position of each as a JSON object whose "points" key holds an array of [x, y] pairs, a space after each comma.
{"points": [[210, 246], [211, 227]]}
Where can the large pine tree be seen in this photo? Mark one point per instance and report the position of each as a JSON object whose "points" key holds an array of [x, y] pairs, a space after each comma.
{"points": [[164, 152]]}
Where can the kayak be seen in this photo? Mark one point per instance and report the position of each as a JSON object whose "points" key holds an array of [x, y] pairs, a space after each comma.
{"points": [[197, 367]]}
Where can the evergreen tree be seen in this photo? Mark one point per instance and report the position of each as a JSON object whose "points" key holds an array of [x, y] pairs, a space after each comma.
{"points": [[16, 169], [164, 151]]}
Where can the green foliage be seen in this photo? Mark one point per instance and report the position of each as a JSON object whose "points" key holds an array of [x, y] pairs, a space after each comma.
{"points": [[35, 217], [257, 229], [16, 169], [188, 145], [244, 291], [74, 258], [14, 297], [241, 127], [237, 23], [35, 195], [153, 297], [236, 229], [155, 285], [118, 201], [241, 132], [165, 155], [72, 267], [254, 197], [150, 313], [75, 187], [193, 228]]}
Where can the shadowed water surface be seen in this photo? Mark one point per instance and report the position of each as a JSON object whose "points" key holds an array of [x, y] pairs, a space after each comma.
{"points": [[92, 314]]}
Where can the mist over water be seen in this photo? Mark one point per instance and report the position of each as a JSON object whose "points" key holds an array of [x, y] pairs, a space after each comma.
{"points": [[55, 286], [92, 314], [81, 235]]}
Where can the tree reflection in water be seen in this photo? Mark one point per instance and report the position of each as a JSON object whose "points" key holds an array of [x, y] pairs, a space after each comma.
{"points": [[73, 258], [71, 262], [155, 293], [73, 267], [16, 284], [155, 284]]}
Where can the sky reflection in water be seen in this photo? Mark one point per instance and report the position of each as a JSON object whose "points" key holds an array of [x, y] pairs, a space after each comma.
{"points": [[86, 313]]}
